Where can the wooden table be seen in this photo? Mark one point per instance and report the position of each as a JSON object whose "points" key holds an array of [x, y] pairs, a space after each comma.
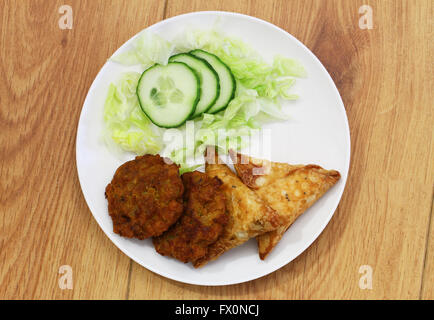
{"points": [[385, 77]]}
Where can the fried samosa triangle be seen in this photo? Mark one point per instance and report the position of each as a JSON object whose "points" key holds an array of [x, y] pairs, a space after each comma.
{"points": [[288, 189], [257, 173], [248, 215]]}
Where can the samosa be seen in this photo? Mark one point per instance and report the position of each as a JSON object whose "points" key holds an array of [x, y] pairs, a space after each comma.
{"points": [[249, 216], [288, 189]]}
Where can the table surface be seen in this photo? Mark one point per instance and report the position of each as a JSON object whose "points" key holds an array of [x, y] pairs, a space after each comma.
{"points": [[384, 75]]}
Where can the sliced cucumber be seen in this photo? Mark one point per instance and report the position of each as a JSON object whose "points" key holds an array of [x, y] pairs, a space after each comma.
{"points": [[209, 81], [226, 78], [168, 95]]}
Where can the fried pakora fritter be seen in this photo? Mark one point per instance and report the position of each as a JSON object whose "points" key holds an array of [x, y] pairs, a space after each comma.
{"points": [[145, 197], [202, 222]]}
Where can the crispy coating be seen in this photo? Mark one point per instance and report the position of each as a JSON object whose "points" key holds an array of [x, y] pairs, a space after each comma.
{"points": [[202, 222], [291, 197], [288, 189], [249, 215], [145, 197], [258, 173]]}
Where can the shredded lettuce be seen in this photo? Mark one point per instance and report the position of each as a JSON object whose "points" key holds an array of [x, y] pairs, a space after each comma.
{"points": [[148, 49], [246, 64], [284, 66], [261, 87], [125, 123]]}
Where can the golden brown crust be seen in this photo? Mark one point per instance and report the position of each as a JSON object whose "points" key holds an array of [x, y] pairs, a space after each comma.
{"points": [[202, 222], [144, 197], [292, 196], [249, 216], [257, 173], [288, 189]]}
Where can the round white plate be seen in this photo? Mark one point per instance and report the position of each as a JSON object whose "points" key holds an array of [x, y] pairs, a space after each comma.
{"points": [[317, 133]]}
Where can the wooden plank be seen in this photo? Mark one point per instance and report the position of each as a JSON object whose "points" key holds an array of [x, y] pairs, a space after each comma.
{"points": [[427, 290], [45, 73], [384, 214], [382, 221]]}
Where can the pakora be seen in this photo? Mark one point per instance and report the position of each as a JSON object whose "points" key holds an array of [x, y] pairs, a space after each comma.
{"points": [[145, 197], [202, 222]]}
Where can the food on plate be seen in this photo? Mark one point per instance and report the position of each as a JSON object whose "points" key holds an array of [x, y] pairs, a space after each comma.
{"points": [[145, 197], [189, 85], [168, 94], [224, 90], [249, 216], [202, 222], [199, 216], [237, 91], [126, 127], [227, 82], [209, 81], [257, 173], [290, 193]]}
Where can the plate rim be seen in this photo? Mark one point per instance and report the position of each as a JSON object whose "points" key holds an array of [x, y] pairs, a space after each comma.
{"points": [[319, 230]]}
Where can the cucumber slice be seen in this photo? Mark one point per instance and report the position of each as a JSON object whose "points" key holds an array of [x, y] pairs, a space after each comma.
{"points": [[168, 95], [226, 78], [209, 81]]}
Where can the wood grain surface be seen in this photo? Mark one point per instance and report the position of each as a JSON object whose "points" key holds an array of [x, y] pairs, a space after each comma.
{"points": [[384, 75]]}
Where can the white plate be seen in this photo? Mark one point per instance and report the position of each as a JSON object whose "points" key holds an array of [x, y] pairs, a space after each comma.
{"points": [[317, 133]]}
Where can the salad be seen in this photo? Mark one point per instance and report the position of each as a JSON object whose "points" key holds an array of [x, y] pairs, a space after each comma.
{"points": [[203, 84]]}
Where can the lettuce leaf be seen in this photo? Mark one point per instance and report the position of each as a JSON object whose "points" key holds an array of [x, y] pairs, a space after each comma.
{"points": [[284, 66], [261, 87], [148, 49], [249, 68], [125, 123]]}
